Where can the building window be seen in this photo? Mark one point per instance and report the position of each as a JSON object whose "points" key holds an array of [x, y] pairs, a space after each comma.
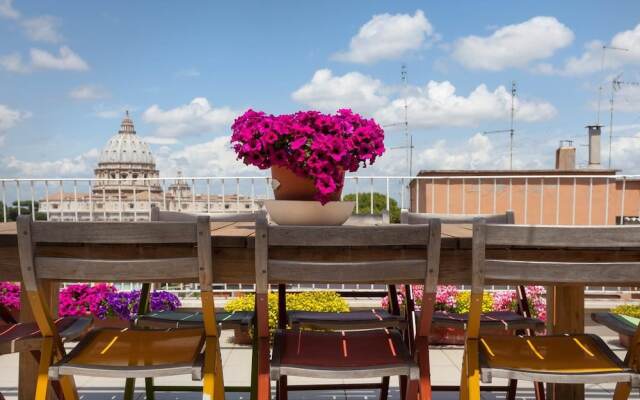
{"points": [[184, 206], [226, 206], [54, 206], [99, 205], [247, 206], [130, 205]]}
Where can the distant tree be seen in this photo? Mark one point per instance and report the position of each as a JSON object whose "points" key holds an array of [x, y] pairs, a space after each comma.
{"points": [[25, 209], [379, 204]]}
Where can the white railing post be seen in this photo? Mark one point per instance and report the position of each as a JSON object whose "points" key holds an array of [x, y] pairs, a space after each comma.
{"points": [[46, 197], [388, 195], [433, 195], [4, 203], [193, 196], [495, 195], [526, 198], [573, 209], [208, 195], [371, 199], [18, 196], [479, 195], [606, 202], [224, 205], [464, 197], [75, 199], [448, 196], [357, 195], [541, 201], [590, 199], [624, 187], [33, 202], [558, 201], [253, 195], [402, 190], [237, 195], [417, 194], [90, 202], [149, 199]]}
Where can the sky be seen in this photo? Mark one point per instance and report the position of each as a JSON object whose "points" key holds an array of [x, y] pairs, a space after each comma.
{"points": [[69, 70]]}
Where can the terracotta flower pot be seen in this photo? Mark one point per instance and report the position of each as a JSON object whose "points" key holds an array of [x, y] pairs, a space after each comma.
{"points": [[293, 187]]}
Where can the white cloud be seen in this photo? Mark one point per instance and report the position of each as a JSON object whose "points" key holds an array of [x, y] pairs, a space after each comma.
{"points": [[438, 105], [624, 153], [8, 119], [513, 45], [43, 29], [213, 158], [88, 92], [7, 10], [13, 63], [328, 93], [65, 60], [590, 60], [188, 73], [387, 36], [196, 117], [68, 166]]}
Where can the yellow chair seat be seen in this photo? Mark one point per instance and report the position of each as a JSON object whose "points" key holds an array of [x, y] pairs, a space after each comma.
{"points": [[133, 349], [565, 354]]}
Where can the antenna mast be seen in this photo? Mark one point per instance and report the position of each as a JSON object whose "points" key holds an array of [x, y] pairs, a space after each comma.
{"points": [[511, 131], [616, 84], [604, 53], [407, 136]]}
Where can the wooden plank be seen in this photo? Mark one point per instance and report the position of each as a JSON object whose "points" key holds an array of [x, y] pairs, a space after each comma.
{"points": [[387, 272], [548, 272], [114, 232], [564, 236], [96, 270], [387, 235]]}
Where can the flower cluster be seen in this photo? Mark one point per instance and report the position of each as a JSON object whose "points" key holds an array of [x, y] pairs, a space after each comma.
{"points": [[311, 144], [101, 300], [10, 295], [451, 299]]}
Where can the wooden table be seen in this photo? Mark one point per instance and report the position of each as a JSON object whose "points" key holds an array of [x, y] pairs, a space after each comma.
{"points": [[233, 262]]}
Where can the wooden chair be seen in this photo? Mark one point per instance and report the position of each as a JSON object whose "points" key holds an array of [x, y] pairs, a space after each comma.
{"points": [[343, 355], [520, 321], [184, 318], [572, 358], [353, 320], [18, 337], [131, 352]]}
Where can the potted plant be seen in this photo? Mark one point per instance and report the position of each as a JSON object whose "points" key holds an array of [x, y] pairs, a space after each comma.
{"points": [[308, 152]]}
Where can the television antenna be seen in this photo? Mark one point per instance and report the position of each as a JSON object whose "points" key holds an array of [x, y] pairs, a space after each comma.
{"points": [[408, 146], [616, 85], [604, 53], [511, 130]]}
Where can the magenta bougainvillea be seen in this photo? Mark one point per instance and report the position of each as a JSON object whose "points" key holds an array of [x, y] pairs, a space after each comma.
{"points": [[100, 300], [311, 144], [452, 299]]}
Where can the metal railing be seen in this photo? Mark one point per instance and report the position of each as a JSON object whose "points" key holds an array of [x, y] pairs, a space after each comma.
{"points": [[538, 199]]}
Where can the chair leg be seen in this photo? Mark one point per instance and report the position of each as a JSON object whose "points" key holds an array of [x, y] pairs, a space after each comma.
{"points": [[384, 390], [622, 392], [264, 381], [68, 385], [411, 392], [129, 388], [46, 356], [283, 391], [538, 387], [470, 384], [425, 374], [254, 367], [149, 389], [513, 388], [213, 382], [403, 387]]}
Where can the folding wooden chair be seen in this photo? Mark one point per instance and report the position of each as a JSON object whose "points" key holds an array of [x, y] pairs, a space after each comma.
{"points": [[18, 337], [520, 321], [342, 354], [571, 358], [130, 352], [189, 318], [354, 320]]}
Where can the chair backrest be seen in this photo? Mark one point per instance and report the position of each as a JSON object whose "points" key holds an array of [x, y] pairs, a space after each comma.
{"points": [[332, 247], [570, 266], [175, 216], [109, 264], [422, 218]]}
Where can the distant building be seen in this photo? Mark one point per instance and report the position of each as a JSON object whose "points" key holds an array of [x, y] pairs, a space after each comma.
{"points": [[127, 184], [566, 195]]}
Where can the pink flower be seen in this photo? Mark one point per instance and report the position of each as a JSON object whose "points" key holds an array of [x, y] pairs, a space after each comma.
{"points": [[311, 144]]}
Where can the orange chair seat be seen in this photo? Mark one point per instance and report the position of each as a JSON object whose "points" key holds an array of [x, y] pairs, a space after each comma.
{"points": [[340, 350], [133, 348], [566, 354]]}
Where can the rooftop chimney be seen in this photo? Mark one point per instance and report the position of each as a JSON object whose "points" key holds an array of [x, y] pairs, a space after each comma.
{"points": [[566, 156], [594, 146]]}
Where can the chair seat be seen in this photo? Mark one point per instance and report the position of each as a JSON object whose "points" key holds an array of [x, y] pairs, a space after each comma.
{"points": [[576, 358], [180, 319], [369, 319], [355, 354], [26, 336], [618, 323], [507, 320], [134, 353]]}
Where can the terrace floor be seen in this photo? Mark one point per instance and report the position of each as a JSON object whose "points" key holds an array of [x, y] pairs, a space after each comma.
{"points": [[445, 364]]}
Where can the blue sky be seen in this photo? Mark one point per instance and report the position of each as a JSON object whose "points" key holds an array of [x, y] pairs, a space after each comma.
{"points": [[69, 69]]}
